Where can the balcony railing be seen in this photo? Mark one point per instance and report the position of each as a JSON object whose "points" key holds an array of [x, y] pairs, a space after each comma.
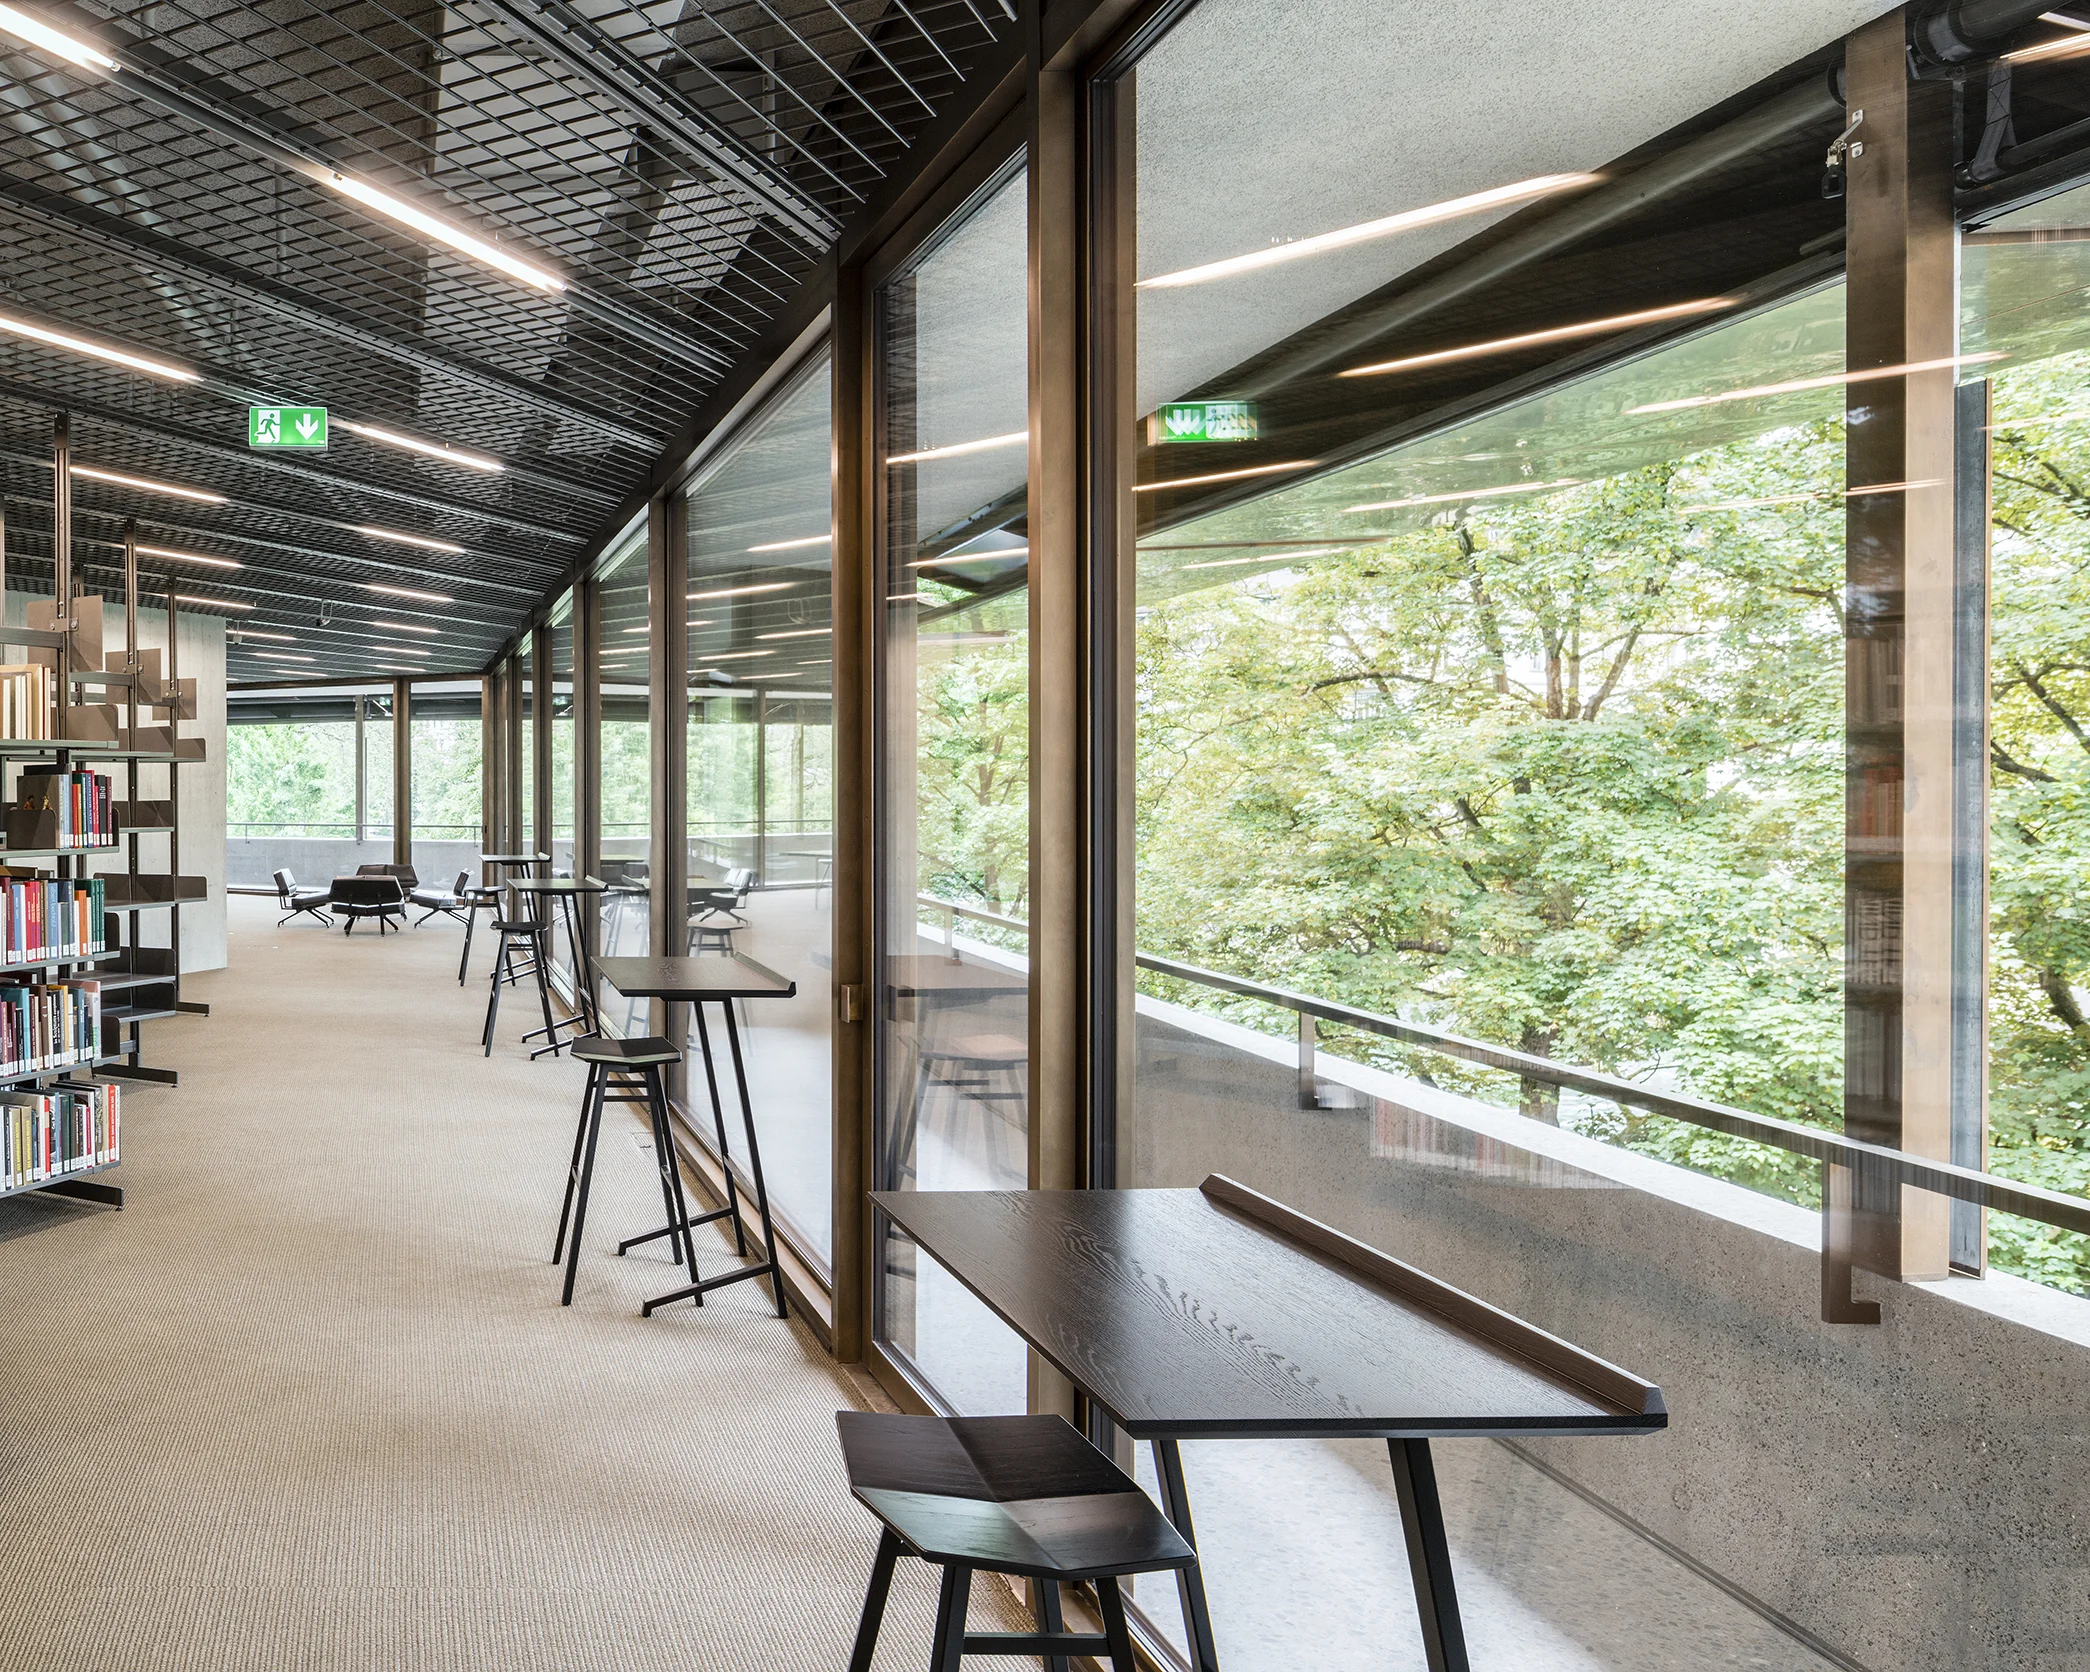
{"points": [[1872, 1164]]}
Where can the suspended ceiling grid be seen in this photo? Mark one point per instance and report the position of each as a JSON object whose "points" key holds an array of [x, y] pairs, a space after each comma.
{"points": [[680, 167]]}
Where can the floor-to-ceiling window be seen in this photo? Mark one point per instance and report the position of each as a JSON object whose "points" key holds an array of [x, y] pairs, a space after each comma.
{"points": [[760, 768], [526, 751], [447, 776], [560, 843], [953, 780], [1514, 714], [308, 782], [624, 696]]}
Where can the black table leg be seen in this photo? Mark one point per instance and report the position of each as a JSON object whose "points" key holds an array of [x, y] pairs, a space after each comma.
{"points": [[1429, 1556], [768, 1265], [1190, 1582], [584, 967]]}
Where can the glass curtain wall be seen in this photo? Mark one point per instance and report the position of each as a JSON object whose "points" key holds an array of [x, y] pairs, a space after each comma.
{"points": [[444, 716], [953, 781], [624, 696], [760, 769], [524, 754], [308, 783], [559, 644], [1531, 728]]}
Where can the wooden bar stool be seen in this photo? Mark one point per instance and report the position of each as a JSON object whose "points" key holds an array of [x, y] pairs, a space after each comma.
{"points": [[532, 940], [623, 1071], [1022, 1495]]}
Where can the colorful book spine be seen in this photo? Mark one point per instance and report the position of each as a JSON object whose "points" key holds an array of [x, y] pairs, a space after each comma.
{"points": [[49, 1131]]}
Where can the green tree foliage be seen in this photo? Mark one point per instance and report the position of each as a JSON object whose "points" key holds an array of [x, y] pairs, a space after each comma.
{"points": [[1565, 775]]}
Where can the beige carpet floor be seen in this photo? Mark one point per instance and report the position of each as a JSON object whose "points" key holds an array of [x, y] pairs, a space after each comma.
{"points": [[309, 1401]]}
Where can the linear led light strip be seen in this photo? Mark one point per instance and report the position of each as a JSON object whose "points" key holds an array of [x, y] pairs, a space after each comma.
{"points": [[1468, 493], [94, 473], [283, 656], [434, 449], [959, 447], [1829, 381], [1267, 557], [188, 557], [25, 27], [1475, 203], [1534, 339], [1225, 475], [210, 603], [101, 351], [794, 545], [241, 634], [420, 540], [408, 627], [408, 592], [2065, 46], [739, 591], [1863, 492]]}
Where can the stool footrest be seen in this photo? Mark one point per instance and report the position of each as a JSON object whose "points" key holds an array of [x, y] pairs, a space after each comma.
{"points": [[696, 1290], [1036, 1643]]}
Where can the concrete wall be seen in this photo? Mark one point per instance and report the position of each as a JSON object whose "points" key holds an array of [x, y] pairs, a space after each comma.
{"points": [[253, 862], [1917, 1494]]}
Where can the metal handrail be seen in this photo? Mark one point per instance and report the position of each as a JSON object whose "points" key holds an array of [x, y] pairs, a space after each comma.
{"points": [[1874, 1161]]}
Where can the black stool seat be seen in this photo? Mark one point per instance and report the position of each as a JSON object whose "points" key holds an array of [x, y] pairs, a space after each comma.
{"points": [[519, 926], [626, 1053], [1021, 1495]]}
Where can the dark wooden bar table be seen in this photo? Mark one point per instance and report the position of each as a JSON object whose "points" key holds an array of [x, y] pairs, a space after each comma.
{"points": [[713, 978], [1219, 1313], [567, 891]]}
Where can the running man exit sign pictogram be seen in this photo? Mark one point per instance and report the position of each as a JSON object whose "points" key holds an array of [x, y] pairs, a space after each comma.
{"points": [[287, 426]]}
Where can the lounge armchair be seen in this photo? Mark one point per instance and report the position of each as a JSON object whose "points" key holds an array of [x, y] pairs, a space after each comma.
{"points": [[369, 893], [299, 902]]}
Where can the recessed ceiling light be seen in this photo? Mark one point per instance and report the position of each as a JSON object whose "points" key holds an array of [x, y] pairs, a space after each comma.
{"points": [[800, 633], [793, 545], [241, 634], [95, 474], [409, 539], [408, 592], [283, 656], [188, 557], [407, 627], [414, 444], [735, 655], [210, 603]]}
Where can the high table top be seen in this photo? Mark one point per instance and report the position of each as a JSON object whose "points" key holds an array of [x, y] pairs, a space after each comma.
{"points": [[722, 975], [1216, 1311], [513, 858], [558, 885]]}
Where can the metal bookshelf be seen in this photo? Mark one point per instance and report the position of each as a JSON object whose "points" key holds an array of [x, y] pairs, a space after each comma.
{"points": [[66, 634]]}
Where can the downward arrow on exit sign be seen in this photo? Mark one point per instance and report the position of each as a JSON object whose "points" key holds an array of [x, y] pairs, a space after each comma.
{"points": [[271, 427]]}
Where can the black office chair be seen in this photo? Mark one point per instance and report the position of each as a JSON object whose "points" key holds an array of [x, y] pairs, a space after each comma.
{"points": [[299, 902], [452, 902], [1021, 1495]]}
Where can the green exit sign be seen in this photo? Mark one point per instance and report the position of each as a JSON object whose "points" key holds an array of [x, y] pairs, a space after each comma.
{"points": [[1202, 421], [287, 426]]}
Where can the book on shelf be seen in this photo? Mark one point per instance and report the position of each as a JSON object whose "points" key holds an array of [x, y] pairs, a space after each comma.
{"points": [[82, 806], [47, 1132], [53, 1024], [25, 701], [50, 917]]}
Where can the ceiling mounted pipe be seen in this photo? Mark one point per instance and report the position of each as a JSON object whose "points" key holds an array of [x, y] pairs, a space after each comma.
{"points": [[1944, 38]]}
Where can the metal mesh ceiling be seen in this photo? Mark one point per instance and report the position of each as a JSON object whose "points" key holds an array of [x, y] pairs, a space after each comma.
{"points": [[681, 167]]}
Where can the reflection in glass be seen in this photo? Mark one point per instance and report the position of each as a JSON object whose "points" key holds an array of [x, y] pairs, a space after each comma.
{"points": [[627, 772], [2023, 296], [560, 837], [760, 765], [1497, 688], [953, 772]]}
